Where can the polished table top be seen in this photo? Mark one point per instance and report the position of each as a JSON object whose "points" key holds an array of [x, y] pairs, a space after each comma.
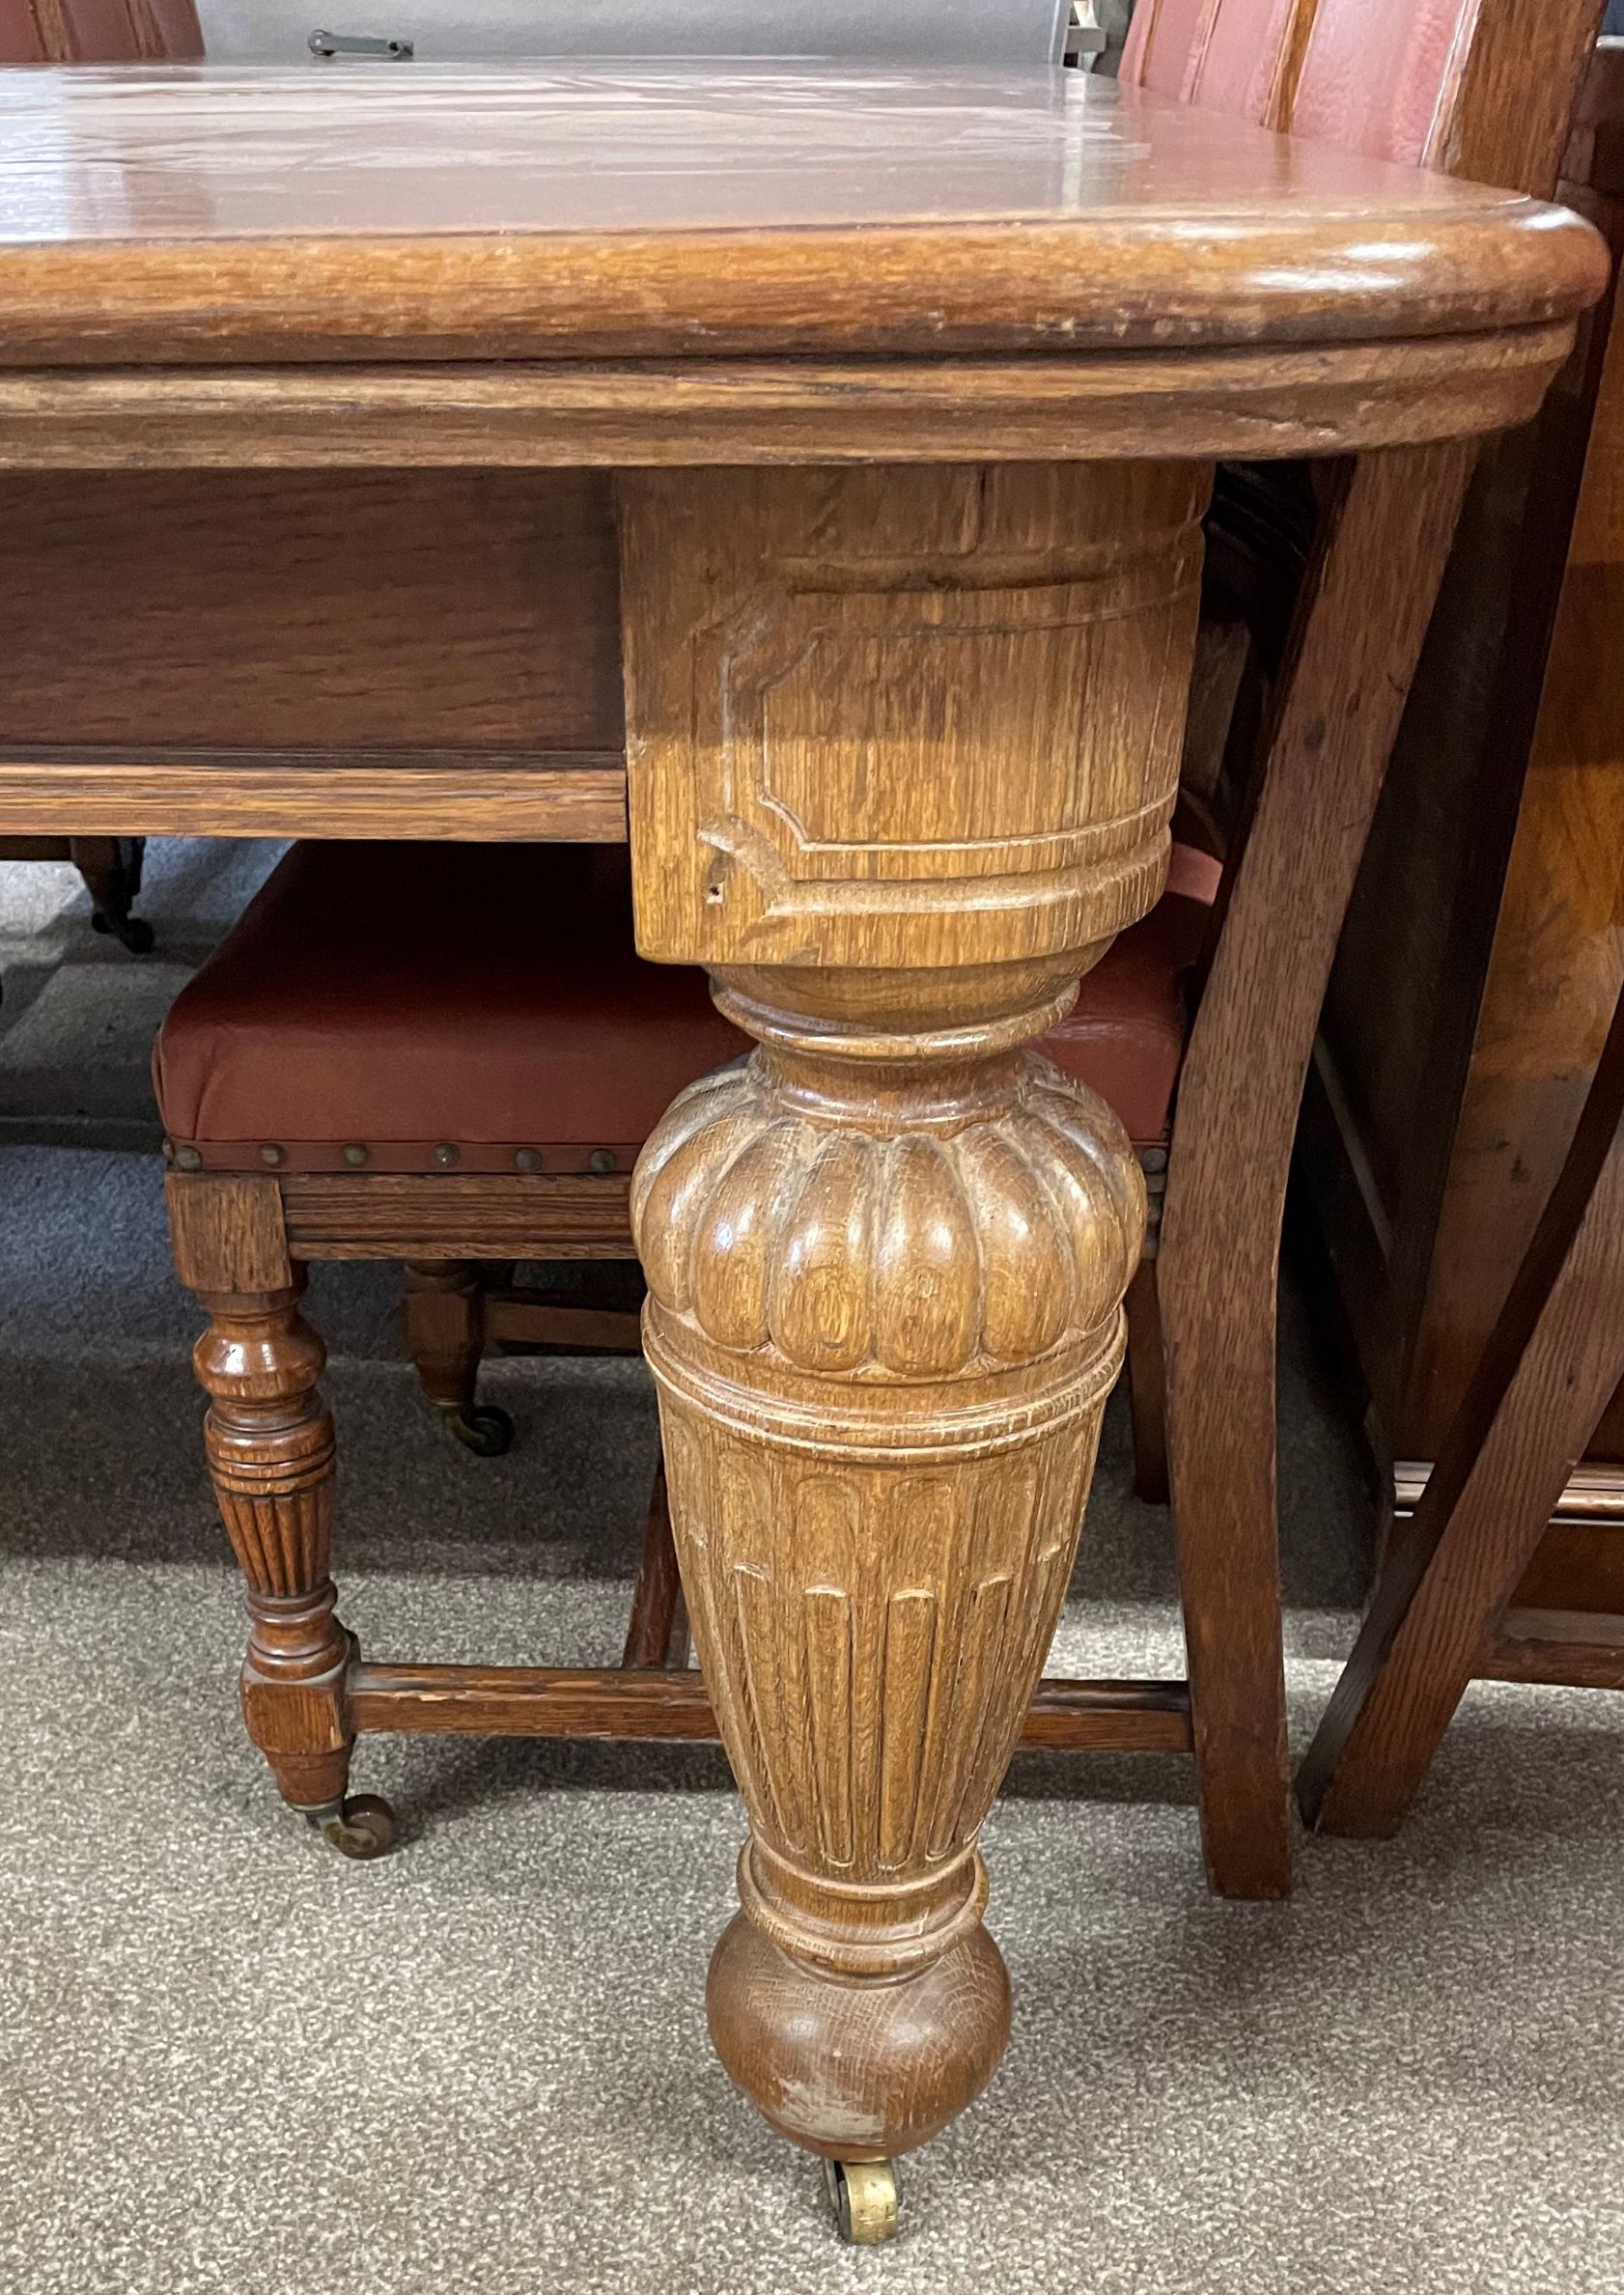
{"points": [[185, 212]]}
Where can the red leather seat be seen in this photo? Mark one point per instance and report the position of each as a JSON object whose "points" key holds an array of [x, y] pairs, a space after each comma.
{"points": [[408, 998]]}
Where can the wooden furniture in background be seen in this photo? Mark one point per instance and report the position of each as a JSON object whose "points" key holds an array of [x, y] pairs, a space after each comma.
{"points": [[368, 1067], [912, 463], [111, 870], [1444, 1607], [1448, 88], [1482, 955], [96, 32], [453, 1056]]}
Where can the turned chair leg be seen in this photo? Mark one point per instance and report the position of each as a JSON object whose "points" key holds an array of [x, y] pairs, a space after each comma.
{"points": [[445, 1338], [111, 870], [1147, 1386], [658, 1633], [270, 1442]]}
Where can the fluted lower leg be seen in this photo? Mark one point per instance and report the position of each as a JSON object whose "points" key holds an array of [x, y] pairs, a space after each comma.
{"points": [[270, 1441], [885, 1273]]}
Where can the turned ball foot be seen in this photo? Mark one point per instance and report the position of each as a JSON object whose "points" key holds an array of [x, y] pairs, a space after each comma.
{"points": [[858, 2070]]}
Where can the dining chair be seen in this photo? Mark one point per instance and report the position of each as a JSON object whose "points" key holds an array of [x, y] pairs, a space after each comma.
{"points": [[98, 32], [1233, 1101], [1485, 91], [449, 1056]]}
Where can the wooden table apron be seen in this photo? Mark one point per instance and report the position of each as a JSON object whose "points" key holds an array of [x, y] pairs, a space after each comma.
{"points": [[908, 507]]}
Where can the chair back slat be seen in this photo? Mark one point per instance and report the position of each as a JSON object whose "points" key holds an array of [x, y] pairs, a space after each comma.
{"points": [[99, 31], [1476, 88], [1383, 76], [1226, 55]]}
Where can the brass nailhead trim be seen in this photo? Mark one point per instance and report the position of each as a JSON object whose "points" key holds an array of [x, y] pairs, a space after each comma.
{"points": [[356, 1154], [528, 1160], [189, 1158], [272, 1155], [601, 1160], [446, 1155]]}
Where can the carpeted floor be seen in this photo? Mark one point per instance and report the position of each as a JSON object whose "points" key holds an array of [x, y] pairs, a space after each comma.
{"points": [[230, 2061]]}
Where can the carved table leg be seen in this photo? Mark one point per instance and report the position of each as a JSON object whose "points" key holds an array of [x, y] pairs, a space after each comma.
{"points": [[885, 1281], [903, 750]]}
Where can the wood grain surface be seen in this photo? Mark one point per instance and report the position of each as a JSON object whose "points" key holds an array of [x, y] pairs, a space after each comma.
{"points": [[183, 213], [1258, 400]]}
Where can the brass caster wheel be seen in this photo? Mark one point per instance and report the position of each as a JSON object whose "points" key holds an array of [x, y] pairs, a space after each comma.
{"points": [[362, 1827], [485, 1430], [865, 2195]]}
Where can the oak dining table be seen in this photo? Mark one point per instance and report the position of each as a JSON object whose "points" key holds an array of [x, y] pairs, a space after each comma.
{"points": [[867, 420]]}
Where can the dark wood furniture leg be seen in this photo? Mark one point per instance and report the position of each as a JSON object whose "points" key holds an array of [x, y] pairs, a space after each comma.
{"points": [[445, 1334], [656, 1636], [1358, 636], [111, 870], [270, 1441], [1147, 1386], [1545, 1378]]}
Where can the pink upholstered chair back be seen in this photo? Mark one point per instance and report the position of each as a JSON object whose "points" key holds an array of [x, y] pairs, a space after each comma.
{"points": [[1380, 76], [1480, 88], [1226, 55], [98, 31]]}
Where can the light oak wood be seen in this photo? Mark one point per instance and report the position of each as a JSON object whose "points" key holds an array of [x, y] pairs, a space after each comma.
{"points": [[664, 1703], [1327, 400], [754, 209], [290, 610], [319, 793], [904, 716], [885, 1260]]}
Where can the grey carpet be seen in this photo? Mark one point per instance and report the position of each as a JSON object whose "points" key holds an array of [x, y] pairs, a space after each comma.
{"points": [[230, 2061]]}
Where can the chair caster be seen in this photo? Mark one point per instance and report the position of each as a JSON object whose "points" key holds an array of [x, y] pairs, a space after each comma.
{"points": [[865, 2195], [486, 1431], [133, 932], [361, 1826]]}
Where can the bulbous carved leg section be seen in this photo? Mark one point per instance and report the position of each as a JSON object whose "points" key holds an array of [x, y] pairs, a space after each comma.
{"points": [[855, 2071], [270, 1441], [884, 1315]]}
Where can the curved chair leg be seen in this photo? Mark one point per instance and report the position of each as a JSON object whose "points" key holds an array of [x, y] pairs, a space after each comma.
{"points": [[1357, 640], [1555, 1358], [445, 1338]]}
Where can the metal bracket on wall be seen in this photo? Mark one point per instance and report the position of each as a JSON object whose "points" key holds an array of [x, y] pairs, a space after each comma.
{"points": [[357, 43]]}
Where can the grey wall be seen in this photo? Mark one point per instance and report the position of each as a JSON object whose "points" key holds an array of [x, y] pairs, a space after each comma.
{"points": [[1000, 33]]}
